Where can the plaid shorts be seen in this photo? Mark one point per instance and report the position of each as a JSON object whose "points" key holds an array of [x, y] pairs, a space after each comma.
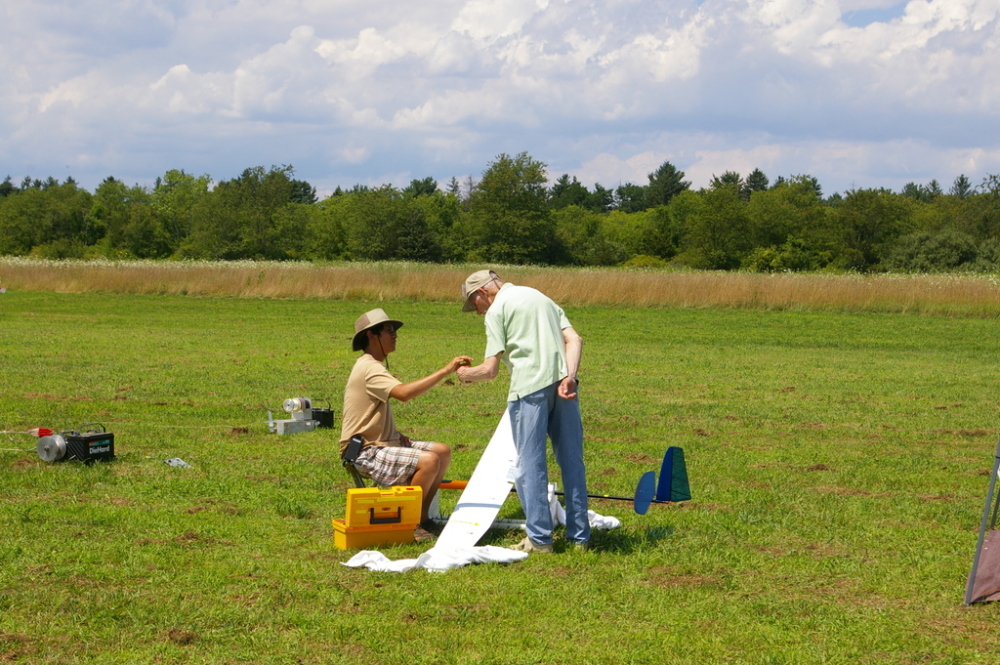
{"points": [[391, 465]]}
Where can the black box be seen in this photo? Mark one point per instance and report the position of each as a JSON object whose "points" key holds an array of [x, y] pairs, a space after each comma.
{"points": [[90, 447], [323, 417]]}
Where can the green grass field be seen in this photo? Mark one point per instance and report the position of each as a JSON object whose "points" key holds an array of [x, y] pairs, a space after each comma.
{"points": [[838, 464]]}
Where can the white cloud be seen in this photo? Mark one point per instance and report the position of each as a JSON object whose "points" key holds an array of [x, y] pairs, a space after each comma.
{"points": [[611, 171], [488, 19], [605, 90], [361, 55]]}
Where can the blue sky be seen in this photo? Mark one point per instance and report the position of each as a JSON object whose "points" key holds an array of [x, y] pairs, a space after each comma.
{"points": [[859, 93]]}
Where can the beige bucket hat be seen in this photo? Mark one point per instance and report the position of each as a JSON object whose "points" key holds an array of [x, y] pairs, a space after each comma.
{"points": [[368, 320]]}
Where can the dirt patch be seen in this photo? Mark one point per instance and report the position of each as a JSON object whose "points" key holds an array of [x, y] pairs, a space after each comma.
{"points": [[246, 599], [818, 467], [16, 647], [937, 497], [353, 649], [669, 578], [237, 431], [191, 538], [823, 551], [844, 491], [961, 631], [186, 539], [641, 458], [771, 551], [181, 637]]}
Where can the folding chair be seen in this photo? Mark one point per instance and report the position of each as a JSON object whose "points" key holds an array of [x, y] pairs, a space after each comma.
{"points": [[350, 455]]}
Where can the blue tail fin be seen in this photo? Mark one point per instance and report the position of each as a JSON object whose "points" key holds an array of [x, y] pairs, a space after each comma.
{"points": [[673, 485], [644, 492]]}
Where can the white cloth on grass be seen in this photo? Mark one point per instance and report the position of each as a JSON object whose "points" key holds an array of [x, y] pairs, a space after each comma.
{"points": [[600, 522], [439, 560], [435, 561]]}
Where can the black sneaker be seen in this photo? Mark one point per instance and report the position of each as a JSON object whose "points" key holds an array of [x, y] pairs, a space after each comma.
{"points": [[431, 526]]}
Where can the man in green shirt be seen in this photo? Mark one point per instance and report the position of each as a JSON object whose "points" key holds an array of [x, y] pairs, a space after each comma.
{"points": [[531, 335]]}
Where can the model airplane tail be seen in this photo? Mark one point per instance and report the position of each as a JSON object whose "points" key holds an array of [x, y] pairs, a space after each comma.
{"points": [[673, 485]]}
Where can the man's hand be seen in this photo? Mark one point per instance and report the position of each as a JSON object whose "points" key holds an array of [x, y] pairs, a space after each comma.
{"points": [[458, 361], [567, 388]]}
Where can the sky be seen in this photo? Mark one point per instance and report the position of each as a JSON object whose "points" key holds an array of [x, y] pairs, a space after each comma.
{"points": [[856, 93]]}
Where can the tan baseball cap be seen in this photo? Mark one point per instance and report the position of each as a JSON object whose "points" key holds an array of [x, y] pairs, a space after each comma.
{"points": [[368, 320], [473, 283]]}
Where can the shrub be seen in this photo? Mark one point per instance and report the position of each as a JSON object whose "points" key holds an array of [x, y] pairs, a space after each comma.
{"points": [[926, 252], [645, 261]]}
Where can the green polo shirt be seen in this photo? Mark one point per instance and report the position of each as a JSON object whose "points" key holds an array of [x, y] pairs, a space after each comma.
{"points": [[526, 325]]}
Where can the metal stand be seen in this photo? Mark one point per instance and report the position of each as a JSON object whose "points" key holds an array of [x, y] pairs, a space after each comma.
{"points": [[986, 589]]}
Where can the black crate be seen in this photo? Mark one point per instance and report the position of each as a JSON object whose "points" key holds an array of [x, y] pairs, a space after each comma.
{"points": [[324, 417]]}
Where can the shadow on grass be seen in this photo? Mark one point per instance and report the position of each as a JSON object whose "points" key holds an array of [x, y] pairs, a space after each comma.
{"points": [[613, 541], [622, 541]]}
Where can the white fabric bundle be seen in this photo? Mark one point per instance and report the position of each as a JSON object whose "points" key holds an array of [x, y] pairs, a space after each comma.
{"points": [[439, 559]]}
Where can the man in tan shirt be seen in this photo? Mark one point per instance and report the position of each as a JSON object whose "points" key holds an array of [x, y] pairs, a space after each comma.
{"points": [[388, 457]]}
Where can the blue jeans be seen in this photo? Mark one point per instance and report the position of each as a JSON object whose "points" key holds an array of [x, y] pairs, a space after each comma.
{"points": [[532, 417]]}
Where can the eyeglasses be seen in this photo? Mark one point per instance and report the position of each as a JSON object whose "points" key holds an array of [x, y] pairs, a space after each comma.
{"points": [[389, 329]]}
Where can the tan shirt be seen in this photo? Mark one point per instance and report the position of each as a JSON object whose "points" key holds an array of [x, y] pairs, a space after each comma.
{"points": [[366, 404]]}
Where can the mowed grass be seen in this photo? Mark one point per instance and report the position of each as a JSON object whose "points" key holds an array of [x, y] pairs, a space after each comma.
{"points": [[838, 464]]}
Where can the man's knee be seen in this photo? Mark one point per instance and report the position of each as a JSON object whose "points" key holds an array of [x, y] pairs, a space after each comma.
{"points": [[428, 461], [440, 449], [442, 453]]}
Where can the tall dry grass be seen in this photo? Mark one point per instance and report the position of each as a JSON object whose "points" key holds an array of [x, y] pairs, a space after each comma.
{"points": [[930, 294]]}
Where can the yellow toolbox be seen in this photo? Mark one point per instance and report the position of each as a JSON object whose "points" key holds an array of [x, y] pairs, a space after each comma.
{"points": [[378, 517]]}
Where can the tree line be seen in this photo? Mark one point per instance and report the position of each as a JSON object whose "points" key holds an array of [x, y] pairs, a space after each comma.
{"points": [[514, 214]]}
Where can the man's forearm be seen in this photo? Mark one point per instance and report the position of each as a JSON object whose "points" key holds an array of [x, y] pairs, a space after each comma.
{"points": [[475, 374], [487, 371], [574, 351], [407, 391]]}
